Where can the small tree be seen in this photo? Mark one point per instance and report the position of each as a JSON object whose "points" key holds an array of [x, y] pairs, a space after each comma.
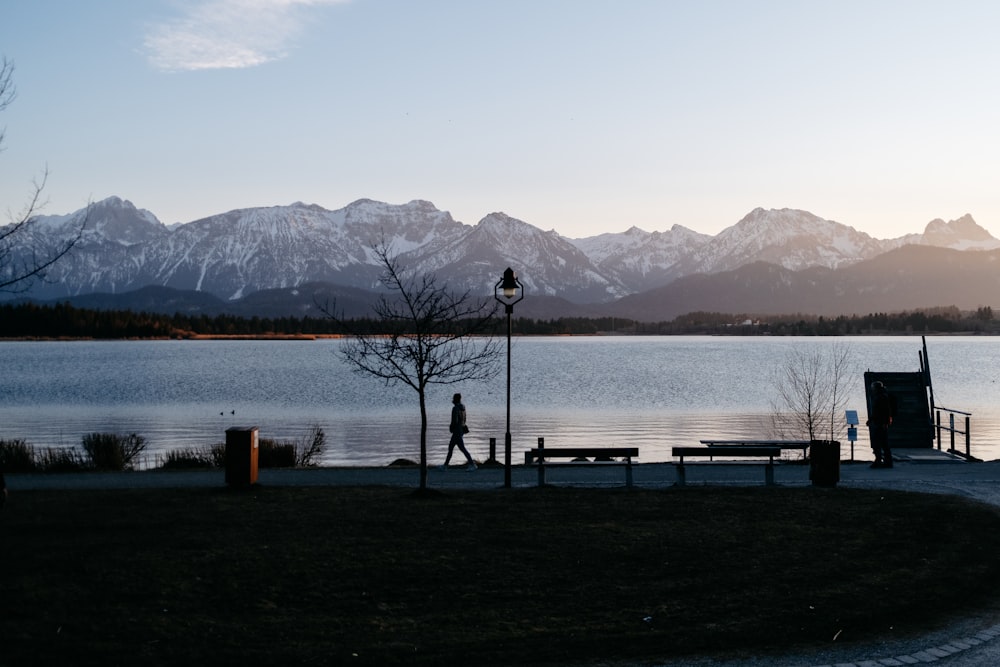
{"points": [[310, 447], [426, 335], [811, 392], [20, 267]]}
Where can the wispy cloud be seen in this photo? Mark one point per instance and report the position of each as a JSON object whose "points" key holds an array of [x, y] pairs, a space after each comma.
{"points": [[228, 34]]}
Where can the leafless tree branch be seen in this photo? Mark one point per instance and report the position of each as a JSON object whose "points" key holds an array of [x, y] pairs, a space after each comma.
{"points": [[811, 391], [22, 261], [429, 335]]}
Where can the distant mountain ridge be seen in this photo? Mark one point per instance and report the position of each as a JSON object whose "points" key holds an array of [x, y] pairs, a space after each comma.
{"points": [[910, 277], [240, 253]]}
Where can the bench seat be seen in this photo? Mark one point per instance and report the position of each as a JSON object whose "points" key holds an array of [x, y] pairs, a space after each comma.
{"points": [[783, 444], [541, 457], [762, 452]]}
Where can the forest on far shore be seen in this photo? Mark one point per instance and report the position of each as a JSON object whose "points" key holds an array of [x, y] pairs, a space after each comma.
{"points": [[34, 321]]}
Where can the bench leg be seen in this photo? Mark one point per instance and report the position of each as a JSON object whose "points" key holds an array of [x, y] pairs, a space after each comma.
{"points": [[680, 474], [541, 472], [628, 472], [769, 474]]}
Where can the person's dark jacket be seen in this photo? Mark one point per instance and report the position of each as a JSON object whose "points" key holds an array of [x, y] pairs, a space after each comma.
{"points": [[881, 409]]}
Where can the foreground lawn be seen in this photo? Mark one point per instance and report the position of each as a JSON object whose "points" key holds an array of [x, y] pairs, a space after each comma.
{"points": [[375, 576]]}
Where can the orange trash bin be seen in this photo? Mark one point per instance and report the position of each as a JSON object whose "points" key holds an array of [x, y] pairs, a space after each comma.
{"points": [[241, 456]]}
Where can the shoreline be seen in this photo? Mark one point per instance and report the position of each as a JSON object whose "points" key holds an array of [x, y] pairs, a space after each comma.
{"points": [[598, 334]]}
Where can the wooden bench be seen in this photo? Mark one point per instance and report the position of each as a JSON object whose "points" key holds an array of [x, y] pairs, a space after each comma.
{"points": [[581, 456], [728, 451]]}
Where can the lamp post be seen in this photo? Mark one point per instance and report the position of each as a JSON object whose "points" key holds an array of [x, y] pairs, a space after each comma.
{"points": [[508, 291]]}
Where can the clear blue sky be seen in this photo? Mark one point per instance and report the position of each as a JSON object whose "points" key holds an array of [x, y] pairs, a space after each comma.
{"points": [[582, 116]]}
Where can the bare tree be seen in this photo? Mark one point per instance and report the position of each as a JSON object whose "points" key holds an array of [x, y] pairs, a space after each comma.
{"points": [[811, 392], [427, 335], [21, 260], [7, 90]]}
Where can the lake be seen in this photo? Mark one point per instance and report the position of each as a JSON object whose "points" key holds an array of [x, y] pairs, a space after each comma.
{"points": [[650, 392]]}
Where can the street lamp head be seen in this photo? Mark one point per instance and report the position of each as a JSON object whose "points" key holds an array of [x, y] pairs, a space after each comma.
{"points": [[509, 283], [510, 288]]}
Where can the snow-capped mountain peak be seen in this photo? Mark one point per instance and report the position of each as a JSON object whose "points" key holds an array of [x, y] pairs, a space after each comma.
{"points": [[790, 238], [113, 220], [961, 234]]}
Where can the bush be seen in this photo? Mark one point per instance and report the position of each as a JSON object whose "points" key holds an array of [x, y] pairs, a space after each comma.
{"points": [[110, 451], [274, 454], [217, 454], [61, 460], [186, 459], [17, 456]]}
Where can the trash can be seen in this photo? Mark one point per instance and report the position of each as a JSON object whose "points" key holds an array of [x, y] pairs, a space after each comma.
{"points": [[241, 456], [824, 462]]}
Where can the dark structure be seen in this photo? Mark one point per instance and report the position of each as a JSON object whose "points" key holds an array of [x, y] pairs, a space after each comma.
{"points": [[912, 426]]}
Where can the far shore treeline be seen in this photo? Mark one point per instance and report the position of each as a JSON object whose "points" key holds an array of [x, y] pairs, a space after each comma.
{"points": [[29, 320]]}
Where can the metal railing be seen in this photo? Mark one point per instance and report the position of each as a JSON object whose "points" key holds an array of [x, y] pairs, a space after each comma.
{"points": [[950, 428]]}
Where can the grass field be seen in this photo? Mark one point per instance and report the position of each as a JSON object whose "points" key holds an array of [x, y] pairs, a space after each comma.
{"points": [[382, 576]]}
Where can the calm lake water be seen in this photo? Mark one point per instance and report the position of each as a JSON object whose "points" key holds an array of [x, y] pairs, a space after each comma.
{"points": [[650, 392]]}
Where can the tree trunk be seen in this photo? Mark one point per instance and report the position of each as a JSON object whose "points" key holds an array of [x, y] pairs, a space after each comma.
{"points": [[423, 440]]}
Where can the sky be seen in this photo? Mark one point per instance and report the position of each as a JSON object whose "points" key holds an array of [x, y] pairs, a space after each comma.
{"points": [[582, 116]]}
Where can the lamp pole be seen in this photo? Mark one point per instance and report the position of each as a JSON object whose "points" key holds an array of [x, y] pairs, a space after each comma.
{"points": [[511, 291]]}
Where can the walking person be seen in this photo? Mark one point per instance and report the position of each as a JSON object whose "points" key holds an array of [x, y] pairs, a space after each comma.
{"points": [[458, 430], [879, 420]]}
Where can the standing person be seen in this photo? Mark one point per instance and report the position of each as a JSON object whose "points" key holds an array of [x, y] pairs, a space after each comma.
{"points": [[879, 420], [458, 430]]}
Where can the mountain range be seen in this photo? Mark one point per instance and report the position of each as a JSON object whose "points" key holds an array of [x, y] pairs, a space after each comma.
{"points": [[283, 260]]}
